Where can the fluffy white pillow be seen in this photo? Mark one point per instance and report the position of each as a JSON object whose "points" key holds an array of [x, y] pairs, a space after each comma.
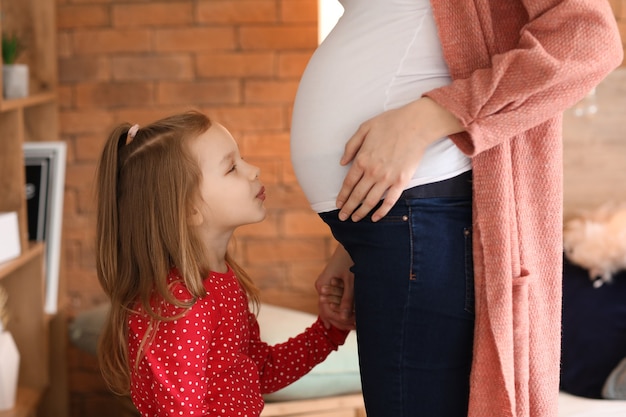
{"points": [[337, 375]]}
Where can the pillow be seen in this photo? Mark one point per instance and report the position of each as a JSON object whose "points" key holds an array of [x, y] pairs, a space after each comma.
{"points": [[594, 330], [337, 375], [615, 385], [86, 327]]}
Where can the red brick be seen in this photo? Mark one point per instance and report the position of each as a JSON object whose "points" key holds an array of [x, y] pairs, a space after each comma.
{"points": [[88, 147], [195, 39], [298, 11], [70, 204], [64, 45], [292, 64], [86, 202], [249, 118], [152, 14], [107, 41], [256, 92], [84, 68], [85, 121], [144, 115], [273, 145], [288, 298], [159, 67], [65, 96], [287, 196], [289, 175], [270, 172], [303, 223], [114, 94], [74, 229], [278, 37], [622, 30], [80, 176], [207, 92], [244, 64], [302, 276], [241, 11], [268, 228], [269, 251], [617, 6], [83, 16], [100, 1], [266, 276]]}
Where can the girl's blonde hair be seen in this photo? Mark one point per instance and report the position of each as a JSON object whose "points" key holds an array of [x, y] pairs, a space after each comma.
{"points": [[146, 185]]}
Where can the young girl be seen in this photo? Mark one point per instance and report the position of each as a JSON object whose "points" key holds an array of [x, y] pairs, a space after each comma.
{"points": [[180, 336]]}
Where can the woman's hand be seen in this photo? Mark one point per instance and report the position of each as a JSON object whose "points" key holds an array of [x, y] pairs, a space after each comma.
{"points": [[335, 287], [385, 152]]}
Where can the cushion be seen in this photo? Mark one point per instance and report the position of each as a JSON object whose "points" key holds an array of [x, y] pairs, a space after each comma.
{"points": [[86, 327], [615, 385], [594, 330], [338, 374], [573, 406]]}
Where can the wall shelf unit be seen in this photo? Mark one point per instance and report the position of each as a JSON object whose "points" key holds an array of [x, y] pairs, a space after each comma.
{"points": [[32, 118]]}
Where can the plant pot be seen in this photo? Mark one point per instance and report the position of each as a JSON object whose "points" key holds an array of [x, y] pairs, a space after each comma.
{"points": [[9, 370], [15, 80]]}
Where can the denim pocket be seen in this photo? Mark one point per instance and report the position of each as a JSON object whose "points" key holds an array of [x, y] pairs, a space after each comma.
{"points": [[469, 271]]}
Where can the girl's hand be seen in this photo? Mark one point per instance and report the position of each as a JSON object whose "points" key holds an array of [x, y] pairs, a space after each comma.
{"points": [[385, 152], [335, 287]]}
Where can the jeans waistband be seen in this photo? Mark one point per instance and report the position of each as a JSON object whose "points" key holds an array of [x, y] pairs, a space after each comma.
{"points": [[459, 186]]}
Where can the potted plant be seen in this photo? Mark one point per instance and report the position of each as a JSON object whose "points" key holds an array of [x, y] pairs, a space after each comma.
{"points": [[9, 359], [14, 76]]}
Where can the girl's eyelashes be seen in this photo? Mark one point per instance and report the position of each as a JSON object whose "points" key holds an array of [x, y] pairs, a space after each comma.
{"points": [[232, 168]]}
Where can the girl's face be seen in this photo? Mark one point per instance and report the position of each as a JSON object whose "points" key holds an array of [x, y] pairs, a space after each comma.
{"points": [[231, 192]]}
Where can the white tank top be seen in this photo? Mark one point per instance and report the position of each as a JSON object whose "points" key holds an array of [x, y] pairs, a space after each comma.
{"points": [[381, 55]]}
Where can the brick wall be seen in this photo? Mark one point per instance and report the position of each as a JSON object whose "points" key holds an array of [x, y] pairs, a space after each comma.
{"points": [[237, 60]]}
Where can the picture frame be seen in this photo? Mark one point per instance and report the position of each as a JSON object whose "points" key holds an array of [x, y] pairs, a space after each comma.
{"points": [[45, 183]]}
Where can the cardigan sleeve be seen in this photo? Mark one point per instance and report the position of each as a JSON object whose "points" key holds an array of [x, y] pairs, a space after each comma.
{"points": [[563, 50]]}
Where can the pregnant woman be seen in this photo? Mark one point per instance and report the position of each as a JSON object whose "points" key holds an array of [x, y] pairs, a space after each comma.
{"points": [[428, 138]]}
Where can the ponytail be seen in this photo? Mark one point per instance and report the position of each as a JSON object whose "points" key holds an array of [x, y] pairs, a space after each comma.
{"points": [[114, 364], [107, 226]]}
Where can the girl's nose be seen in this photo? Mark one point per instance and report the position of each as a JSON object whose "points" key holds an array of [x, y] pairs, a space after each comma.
{"points": [[254, 171]]}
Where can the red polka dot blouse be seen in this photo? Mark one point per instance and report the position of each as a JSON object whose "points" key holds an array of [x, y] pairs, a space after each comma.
{"points": [[211, 361]]}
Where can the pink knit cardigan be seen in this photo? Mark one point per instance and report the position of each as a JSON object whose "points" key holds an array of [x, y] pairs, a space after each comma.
{"points": [[516, 65]]}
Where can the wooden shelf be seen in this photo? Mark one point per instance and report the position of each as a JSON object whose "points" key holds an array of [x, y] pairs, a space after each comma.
{"points": [[33, 250], [25, 404], [39, 336], [26, 102]]}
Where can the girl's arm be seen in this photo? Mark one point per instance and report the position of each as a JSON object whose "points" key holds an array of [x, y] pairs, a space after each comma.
{"points": [[285, 363]]}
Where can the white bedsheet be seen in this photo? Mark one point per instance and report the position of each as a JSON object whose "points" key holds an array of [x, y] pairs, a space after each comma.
{"points": [[572, 406]]}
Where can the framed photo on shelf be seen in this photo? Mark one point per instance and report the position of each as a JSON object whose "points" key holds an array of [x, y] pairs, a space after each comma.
{"points": [[45, 182]]}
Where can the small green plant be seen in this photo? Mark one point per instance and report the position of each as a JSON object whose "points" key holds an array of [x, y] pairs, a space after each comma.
{"points": [[11, 48]]}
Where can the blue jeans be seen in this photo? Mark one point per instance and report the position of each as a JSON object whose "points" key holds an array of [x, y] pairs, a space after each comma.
{"points": [[414, 300]]}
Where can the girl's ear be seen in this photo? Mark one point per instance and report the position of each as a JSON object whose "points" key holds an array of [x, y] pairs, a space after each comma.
{"points": [[195, 217]]}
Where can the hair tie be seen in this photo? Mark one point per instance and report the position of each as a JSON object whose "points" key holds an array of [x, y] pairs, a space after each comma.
{"points": [[133, 131]]}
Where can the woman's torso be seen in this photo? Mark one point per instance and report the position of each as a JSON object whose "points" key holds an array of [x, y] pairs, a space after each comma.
{"points": [[381, 55]]}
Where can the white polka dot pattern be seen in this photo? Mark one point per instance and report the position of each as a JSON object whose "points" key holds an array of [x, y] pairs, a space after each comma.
{"points": [[211, 361]]}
